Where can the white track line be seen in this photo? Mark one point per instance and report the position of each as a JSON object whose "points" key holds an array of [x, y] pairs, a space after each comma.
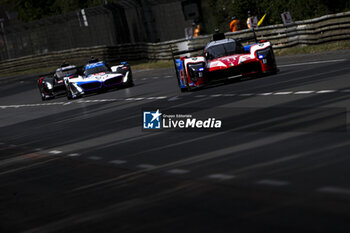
{"points": [[55, 152], [303, 92], [216, 95], [146, 166], [221, 177], [264, 94], [117, 161], [334, 190], [283, 93], [74, 154], [325, 91], [161, 97], [272, 182], [178, 171]]}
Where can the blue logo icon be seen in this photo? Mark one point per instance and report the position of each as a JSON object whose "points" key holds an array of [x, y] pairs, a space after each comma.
{"points": [[152, 120]]}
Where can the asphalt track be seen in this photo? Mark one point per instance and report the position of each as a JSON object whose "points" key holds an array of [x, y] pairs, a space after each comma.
{"points": [[86, 166]]}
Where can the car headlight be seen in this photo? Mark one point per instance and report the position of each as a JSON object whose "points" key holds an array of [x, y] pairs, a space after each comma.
{"points": [[126, 76], [195, 70], [264, 53], [49, 86]]}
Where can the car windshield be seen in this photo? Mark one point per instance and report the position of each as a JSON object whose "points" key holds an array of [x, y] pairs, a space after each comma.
{"points": [[95, 69], [222, 50], [64, 73]]}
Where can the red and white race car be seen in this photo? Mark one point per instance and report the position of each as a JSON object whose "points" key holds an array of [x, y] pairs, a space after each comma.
{"points": [[224, 59]]}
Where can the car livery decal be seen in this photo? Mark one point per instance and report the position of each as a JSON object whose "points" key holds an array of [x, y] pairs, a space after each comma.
{"points": [[179, 67], [93, 65]]}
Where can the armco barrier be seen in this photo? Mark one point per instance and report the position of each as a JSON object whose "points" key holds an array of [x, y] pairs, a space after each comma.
{"points": [[314, 31]]}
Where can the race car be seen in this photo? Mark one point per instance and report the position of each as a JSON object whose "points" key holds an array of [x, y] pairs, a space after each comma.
{"points": [[224, 59], [98, 76], [52, 85]]}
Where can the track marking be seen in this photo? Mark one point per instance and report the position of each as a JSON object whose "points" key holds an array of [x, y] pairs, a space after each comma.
{"points": [[28, 166], [272, 182], [178, 171], [312, 63], [283, 93], [326, 91], [20, 158], [194, 159], [221, 177], [94, 158], [118, 161], [161, 97], [264, 94], [174, 98], [55, 152], [146, 166], [74, 154], [303, 92], [334, 190], [216, 95]]}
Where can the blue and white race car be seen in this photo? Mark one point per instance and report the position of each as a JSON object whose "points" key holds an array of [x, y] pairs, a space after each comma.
{"points": [[98, 76]]}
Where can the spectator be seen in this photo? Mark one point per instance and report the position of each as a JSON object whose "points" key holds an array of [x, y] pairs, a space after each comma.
{"points": [[249, 20], [197, 30], [235, 24]]}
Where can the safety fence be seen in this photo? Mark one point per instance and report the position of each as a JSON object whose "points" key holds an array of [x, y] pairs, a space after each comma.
{"points": [[315, 31]]}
